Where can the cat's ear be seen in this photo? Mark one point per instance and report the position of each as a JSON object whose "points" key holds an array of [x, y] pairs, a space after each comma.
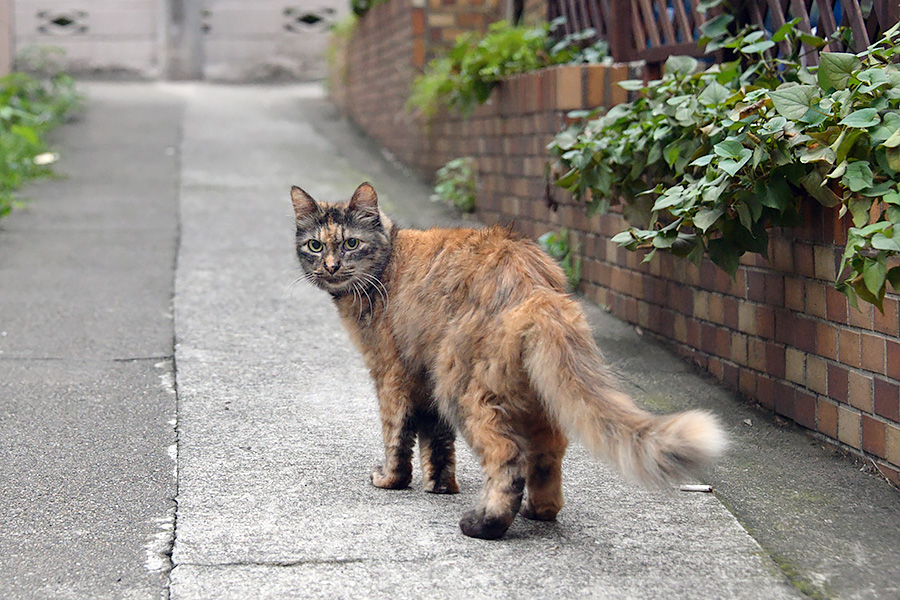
{"points": [[364, 200], [304, 205]]}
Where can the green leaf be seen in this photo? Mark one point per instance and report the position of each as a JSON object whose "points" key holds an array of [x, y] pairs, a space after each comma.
{"points": [[893, 276], [858, 176], [859, 209], [862, 118], [714, 94], [732, 166], [680, 65], [812, 182], [757, 47], [785, 29], [793, 102], [836, 69], [622, 238], [874, 274], [729, 149], [632, 85], [705, 218], [883, 242]]}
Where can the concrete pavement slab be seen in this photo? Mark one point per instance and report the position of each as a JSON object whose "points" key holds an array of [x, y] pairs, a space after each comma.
{"points": [[87, 398], [278, 425]]}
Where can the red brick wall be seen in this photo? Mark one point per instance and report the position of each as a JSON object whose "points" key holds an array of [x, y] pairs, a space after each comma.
{"points": [[779, 332]]}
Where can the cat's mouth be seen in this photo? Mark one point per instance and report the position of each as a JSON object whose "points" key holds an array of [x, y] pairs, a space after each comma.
{"points": [[336, 283]]}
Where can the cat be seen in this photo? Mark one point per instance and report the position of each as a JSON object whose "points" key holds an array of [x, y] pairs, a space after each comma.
{"points": [[472, 330]]}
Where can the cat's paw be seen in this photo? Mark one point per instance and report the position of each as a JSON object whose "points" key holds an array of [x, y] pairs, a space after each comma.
{"points": [[538, 514], [445, 486], [477, 525], [388, 482]]}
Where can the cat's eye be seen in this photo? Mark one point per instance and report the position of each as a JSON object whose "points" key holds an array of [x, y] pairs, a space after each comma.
{"points": [[315, 246], [351, 243]]}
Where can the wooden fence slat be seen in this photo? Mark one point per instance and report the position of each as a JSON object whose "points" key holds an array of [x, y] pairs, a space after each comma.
{"points": [[665, 23], [649, 22]]}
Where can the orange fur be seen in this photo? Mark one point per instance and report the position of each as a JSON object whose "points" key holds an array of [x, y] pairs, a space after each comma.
{"points": [[472, 329]]}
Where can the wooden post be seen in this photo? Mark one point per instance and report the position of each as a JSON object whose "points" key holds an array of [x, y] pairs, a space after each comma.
{"points": [[7, 36], [620, 34]]}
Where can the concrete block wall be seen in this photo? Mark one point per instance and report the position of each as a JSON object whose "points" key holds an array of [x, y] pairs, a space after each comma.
{"points": [[779, 333], [102, 35], [236, 40]]}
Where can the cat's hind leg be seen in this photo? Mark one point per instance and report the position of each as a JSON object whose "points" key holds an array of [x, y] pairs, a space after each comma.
{"points": [[436, 453], [502, 458], [543, 479]]}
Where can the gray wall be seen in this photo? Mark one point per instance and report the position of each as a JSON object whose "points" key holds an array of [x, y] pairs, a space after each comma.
{"points": [[223, 40]]}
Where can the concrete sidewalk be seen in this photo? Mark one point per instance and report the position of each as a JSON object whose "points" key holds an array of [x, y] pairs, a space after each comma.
{"points": [[277, 425]]}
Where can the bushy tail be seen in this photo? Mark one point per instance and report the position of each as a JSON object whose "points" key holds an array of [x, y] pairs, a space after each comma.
{"points": [[566, 369]]}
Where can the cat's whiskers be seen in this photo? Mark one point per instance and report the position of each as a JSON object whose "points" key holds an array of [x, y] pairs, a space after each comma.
{"points": [[303, 278], [377, 285]]}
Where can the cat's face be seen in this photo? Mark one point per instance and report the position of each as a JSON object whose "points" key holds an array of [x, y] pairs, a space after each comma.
{"points": [[343, 248]]}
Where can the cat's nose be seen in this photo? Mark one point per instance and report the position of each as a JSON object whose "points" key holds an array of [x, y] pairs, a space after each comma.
{"points": [[332, 266]]}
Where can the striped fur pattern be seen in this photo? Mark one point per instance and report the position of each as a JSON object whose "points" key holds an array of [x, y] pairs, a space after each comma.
{"points": [[471, 331]]}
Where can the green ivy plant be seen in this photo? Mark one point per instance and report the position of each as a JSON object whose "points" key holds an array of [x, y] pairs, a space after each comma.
{"points": [[564, 249], [464, 77], [29, 108], [706, 160], [455, 183]]}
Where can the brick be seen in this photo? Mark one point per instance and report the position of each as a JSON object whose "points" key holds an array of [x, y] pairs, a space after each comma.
{"points": [[595, 85], [888, 322], [838, 383], [730, 312], [849, 348], [701, 305], [860, 391], [873, 436], [836, 306], [716, 309], [795, 366], [766, 393], [827, 417], [892, 443], [747, 318], [765, 322], [784, 326], [569, 87], [747, 385], [804, 261], [892, 359], [815, 299], [805, 410], [756, 286], [774, 290], [824, 263], [794, 294], [785, 400], [886, 399], [723, 343], [864, 317], [849, 427], [805, 334], [873, 351], [781, 254], [756, 350], [775, 360], [739, 349], [826, 340], [817, 374]]}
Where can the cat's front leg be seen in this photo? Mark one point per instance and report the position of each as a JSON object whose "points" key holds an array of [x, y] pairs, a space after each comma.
{"points": [[398, 428], [437, 453]]}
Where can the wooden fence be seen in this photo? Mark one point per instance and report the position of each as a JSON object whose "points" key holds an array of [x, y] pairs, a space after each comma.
{"points": [[653, 30]]}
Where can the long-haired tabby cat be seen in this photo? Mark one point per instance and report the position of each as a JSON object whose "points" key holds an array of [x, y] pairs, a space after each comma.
{"points": [[472, 330]]}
